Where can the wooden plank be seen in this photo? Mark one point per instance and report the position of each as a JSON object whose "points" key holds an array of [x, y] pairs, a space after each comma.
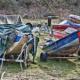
{"points": [[14, 60], [63, 57]]}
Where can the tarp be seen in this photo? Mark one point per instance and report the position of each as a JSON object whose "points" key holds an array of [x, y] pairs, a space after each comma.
{"points": [[13, 21], [2, 47], [8, 26], [6, 40]]}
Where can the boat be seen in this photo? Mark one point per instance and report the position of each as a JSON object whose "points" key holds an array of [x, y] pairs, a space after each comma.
{"points": [[16, 40], [60, 34], [72, 22], [17, 46], [59, 29], [65, 46], [74, 18]]}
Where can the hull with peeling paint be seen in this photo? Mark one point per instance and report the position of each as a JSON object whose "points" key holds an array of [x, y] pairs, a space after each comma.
{"points": [[64, 46]]}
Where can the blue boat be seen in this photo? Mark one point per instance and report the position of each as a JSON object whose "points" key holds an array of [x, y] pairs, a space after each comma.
{"points": [[65, 46]]}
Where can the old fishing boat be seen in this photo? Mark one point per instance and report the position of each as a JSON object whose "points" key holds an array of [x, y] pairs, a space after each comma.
{"points": [[62, 48], [59, 30], [73, 22], [61, 34], [16, 40]]}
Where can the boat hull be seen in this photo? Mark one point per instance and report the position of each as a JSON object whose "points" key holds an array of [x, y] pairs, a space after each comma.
{"points": [[17, 46], [64, 46], [57, 35]]}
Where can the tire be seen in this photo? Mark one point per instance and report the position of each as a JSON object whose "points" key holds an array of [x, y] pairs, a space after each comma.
{"points": [[43, 56], [30, 25]]}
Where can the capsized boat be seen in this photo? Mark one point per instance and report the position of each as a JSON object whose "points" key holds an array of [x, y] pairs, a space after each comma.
{"points": [[65, 46]]}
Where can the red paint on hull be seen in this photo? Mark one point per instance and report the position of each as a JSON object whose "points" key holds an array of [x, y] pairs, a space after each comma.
{"points": [[63, 27], [58, 35]]}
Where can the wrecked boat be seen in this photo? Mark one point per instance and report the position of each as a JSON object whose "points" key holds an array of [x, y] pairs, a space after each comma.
{"points": [[67, 46], [16, 40], [72, 22], [63, 48], [61, 34], [65, 27]]}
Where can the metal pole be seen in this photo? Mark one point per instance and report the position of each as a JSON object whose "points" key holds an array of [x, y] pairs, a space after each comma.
{"points": [[52, 31]]}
